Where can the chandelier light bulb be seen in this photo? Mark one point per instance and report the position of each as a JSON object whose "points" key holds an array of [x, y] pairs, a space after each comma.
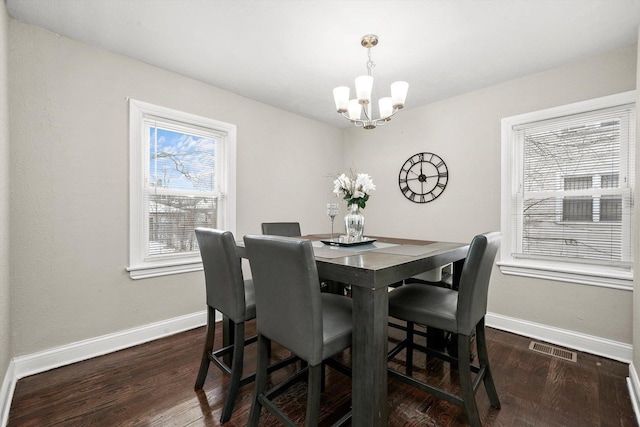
{"points": [[341, 98], [399, 93], [386, 107], [355, 110], [364, 85]]}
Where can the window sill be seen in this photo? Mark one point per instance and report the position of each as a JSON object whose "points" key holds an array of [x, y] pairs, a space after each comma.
{"points": [[147, 271], [582, 274]]}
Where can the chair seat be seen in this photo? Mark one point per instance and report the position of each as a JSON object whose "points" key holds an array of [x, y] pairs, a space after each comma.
{"points": [[424, 304], [336, 326]]}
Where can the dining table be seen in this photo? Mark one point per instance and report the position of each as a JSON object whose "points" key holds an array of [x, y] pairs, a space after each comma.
{"points": [[369, 267]]}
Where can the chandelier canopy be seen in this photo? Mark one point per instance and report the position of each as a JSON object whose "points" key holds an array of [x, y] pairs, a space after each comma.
{"points": [[354, 109]]}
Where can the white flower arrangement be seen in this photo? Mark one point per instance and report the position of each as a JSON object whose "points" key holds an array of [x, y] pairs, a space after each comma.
{"points": [[355, 188]]}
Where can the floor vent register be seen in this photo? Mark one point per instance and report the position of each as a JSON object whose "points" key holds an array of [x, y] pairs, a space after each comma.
{"points": [[560, 353]]}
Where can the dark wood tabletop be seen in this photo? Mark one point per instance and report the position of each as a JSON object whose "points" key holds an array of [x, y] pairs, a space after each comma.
{"points": [[380, 269]]}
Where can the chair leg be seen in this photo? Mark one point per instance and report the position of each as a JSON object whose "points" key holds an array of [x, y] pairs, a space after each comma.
{"points": [[261, 380], [409, 350], [313, 397], [483, 357], [236, 372], [228, 334], [466, 382], [208, 347], [436, 339]]}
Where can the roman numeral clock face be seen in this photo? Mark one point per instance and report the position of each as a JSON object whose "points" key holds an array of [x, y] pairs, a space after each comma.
{"points": [[423, 177]]}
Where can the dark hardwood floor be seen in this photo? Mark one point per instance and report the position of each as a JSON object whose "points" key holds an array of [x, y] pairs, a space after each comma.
{"points": [[152, 385]]}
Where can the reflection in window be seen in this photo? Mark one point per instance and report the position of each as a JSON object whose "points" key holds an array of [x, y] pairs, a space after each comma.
{"points": [[610, 206], [577, 208]]}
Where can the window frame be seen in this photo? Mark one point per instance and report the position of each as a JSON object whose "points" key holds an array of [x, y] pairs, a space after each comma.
{"points": [[563, 271], [140, 265]]}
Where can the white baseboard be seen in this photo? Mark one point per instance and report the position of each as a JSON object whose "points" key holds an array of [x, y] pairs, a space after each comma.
{"points": [[82, 350], [6, 393], [633, 382], [587, 343]]}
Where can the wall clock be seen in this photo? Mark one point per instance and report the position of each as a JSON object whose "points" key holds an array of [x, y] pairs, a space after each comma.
{"points": [[423, 177]]}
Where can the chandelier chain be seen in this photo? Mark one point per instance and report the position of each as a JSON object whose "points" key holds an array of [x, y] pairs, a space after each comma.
{"points": [[370, 63]]}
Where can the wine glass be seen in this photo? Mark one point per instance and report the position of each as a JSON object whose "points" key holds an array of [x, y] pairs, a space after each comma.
{"points": [[332, 211]]}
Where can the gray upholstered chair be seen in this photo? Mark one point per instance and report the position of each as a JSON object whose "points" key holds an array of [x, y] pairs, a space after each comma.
{"points": [[441, 277], [231, 295], [289, 229], [459, 312], [293, 312]]}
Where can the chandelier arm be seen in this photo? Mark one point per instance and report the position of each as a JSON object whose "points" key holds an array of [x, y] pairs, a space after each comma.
{"points": [[365, 109], [357, 122], [395, 110], [370, 121]]}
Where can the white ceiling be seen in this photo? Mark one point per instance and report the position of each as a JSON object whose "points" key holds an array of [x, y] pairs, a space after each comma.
{"points": [[291, 54]]}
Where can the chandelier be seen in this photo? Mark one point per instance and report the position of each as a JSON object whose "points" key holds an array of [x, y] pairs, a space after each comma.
{"points": [[354, 109]]}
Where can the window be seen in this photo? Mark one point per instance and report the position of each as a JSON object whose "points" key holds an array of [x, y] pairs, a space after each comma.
{"points": [[567, 186], [182, 170]]}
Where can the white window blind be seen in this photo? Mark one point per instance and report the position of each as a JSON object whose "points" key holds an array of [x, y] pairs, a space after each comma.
{"points": [[181, 190], [182, 176], [571, 179]]}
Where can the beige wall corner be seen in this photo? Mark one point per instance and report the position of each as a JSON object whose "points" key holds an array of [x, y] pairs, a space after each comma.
{"points": [[5, 277], [635, 366]]}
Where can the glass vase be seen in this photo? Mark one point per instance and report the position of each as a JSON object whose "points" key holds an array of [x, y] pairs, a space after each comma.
{"points": [[354, 223]]}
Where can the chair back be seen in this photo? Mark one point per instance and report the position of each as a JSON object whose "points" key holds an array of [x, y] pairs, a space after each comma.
{"points": [[474, 281], [288, 300], [222, 272], [289, 229]]}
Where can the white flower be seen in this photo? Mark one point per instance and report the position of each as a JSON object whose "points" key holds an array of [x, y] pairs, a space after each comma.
{"points": [[364, 183], [342, 184], [355, 188]]}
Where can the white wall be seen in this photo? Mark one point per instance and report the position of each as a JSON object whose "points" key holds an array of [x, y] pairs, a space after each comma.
{"points": [[465, 132], [70, 172]]}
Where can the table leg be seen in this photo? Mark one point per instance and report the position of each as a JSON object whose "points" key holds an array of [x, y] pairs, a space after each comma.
{"points": [[369, 356], [457, 272]]}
